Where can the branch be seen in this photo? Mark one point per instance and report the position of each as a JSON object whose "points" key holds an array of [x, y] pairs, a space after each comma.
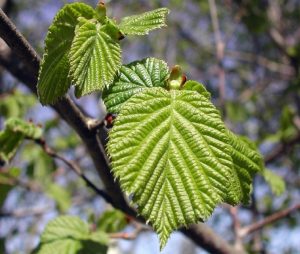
{"points": [[205, 237], [16, 41], [268, 220], [75, 167], [220, 51], [93, 138], [24, 67], [282, 149], [20, 213]]}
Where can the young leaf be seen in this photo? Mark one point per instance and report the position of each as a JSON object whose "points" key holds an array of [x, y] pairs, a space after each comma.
{"points": [[9, 143], [95, 57], [134, 78], [247, 161], [69, 234], [170, 151], [53, 81], [196, 86], [112, 221], [143, 23], [13, 134], [275, 181]]}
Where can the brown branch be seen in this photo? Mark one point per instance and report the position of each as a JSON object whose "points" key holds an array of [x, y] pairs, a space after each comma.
{"points": [[205, 237], [25, 69], [220, 46], [268, 220], [16, 41], [139, 228], [93, 137], [236, 228], [282, 149], [20, 213], [75, 167]]}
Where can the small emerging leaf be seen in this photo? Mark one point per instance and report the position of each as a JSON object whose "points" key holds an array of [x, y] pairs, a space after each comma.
{"points": [[15, 131], [112, 221], [95, 58], [143, 23], [275, 181], [53, 82], [134, 78], [69, 235], [170, 151]]}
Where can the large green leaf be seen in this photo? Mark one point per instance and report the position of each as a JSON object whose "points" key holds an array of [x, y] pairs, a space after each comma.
{"points": [[53, 80], [247, 161], [95, 58], [134, 78], [70, 235], [13, 134], [143, 23], [170, 150]]}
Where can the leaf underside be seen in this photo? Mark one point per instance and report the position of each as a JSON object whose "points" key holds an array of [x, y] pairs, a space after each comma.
{"points": [[170, 150], [53, 82], [134, 78], [95, 58], [143, 23]]}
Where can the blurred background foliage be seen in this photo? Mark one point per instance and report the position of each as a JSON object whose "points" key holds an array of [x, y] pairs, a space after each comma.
{"points": [[260, 98]]}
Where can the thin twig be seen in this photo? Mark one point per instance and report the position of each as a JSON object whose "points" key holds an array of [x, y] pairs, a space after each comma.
{"points": [[75, 167], [20, 213], [139, 228], [268, 220], [220, 52], [282, 149], [238, 244]]}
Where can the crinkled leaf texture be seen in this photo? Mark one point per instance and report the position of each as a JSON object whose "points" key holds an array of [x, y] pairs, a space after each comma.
{"points": [[246, 162], [134, 78], [143, 23], [15, 131], [171, 151], [95, 57], [53, 82], [69, 235], [196, 86]]}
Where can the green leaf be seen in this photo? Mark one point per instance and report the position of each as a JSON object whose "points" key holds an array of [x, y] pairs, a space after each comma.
{"points": [[13, 134], [134, 78], [198, 87], [69, 235], [247, 161], [16, 104], [61, 196], [28, 129], [170, 150], [9, 143], [143, 23], [112, 221], [275, 181], [65, 227], [53, 82], [95, 58]]}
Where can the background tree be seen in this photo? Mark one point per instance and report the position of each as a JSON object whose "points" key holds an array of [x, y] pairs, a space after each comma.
{"points": [[247, 53]]}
